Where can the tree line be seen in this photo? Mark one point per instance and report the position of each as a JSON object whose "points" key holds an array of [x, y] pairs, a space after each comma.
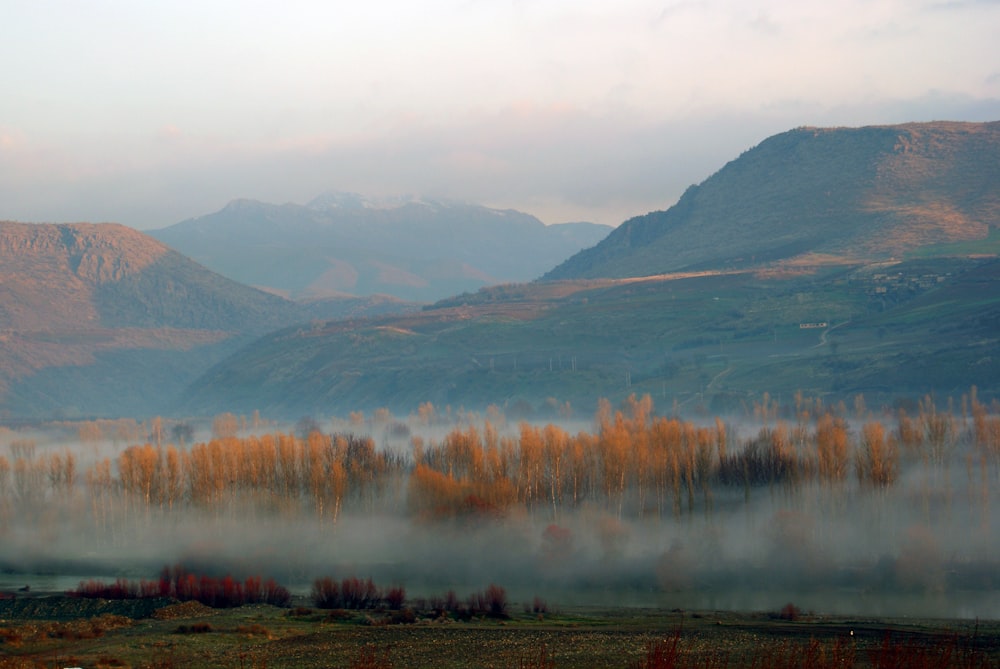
{"points": [[634, 463]]}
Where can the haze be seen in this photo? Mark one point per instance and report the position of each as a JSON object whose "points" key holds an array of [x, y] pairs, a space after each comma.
{"points": [[923, 543], [149, 114]]}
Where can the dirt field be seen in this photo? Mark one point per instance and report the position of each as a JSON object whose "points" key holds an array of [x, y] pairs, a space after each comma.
{"points": [[63, 632]]}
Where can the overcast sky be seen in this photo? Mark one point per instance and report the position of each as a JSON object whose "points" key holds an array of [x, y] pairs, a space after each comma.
{"points": [[148, 113]]}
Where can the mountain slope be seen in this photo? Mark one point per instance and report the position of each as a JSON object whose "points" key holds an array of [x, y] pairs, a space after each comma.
{"points": [[709, 340], [102, 319], [828, 261], [858, 194], [344, 244]]}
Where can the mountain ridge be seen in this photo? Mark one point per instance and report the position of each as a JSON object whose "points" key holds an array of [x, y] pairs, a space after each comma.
{"points": [[869, 193]]}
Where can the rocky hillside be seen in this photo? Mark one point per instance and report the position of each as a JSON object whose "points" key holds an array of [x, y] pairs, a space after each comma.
{"points": [[102, 319], [850, 194], [409, 248]]}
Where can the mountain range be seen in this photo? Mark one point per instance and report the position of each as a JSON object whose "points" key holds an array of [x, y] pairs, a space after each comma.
{"points": [[825, 262], [830, 262], [406, 247]]}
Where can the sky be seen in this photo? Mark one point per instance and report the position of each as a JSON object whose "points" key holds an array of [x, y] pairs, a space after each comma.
{"points": [[149, 113]]}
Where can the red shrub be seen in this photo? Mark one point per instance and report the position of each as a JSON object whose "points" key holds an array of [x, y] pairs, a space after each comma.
{"points": [[358, 594], [662, 654], [790, 612], [496, 600], [492, 602], [276, 595], [176, 582], [326, 593], [395, 597]]}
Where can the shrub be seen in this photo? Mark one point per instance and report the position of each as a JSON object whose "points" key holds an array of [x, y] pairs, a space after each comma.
{"points": [[255, 628], [395, 597], [276, 595], [492, 602], [326, 593], [790, 612], [177, 582], [496, 599], [356, 593], [194, 628], [663, 654]]}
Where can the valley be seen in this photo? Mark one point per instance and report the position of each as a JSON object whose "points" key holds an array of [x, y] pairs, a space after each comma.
{"points": [[777, 399]]}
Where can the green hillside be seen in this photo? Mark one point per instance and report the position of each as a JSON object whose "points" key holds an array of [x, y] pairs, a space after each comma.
{"points": [[712, 341]]}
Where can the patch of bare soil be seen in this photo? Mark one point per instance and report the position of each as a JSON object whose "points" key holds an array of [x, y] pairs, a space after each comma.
{"points": [[189, 609]]}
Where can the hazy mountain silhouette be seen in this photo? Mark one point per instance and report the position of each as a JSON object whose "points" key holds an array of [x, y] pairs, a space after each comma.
{"points": [[342, 243], [828, 261]]}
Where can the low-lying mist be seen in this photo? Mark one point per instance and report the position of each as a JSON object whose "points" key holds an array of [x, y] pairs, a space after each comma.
{"points": [[872, 515]]}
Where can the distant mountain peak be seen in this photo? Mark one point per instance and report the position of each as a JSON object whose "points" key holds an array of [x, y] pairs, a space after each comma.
{"points": [[347, 243], [243, 204], [338, 200]]}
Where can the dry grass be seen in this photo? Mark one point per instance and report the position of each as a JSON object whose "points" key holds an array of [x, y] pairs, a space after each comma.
{"points": [[261, 636]]}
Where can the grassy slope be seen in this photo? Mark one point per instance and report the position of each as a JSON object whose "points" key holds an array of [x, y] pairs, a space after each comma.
{"points": [[721, 338]]}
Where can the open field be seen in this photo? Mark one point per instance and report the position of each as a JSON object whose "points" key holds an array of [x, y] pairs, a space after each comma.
{"points": [[191, 635]]}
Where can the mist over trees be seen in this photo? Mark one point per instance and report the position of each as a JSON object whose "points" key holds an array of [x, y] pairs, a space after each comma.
{"points": [[806, 497]]}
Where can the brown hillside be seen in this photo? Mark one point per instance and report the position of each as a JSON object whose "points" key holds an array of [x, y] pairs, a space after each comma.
{"points": [[49, 273], [105, 317], [940, 183]]}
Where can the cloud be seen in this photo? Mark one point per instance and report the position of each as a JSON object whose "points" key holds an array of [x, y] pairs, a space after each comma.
{"points": [[556, 162], [170, 132], [567, 110]]}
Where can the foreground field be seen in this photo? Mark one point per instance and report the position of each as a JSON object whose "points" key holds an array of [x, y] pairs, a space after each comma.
{"points": [[62, 632]]}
